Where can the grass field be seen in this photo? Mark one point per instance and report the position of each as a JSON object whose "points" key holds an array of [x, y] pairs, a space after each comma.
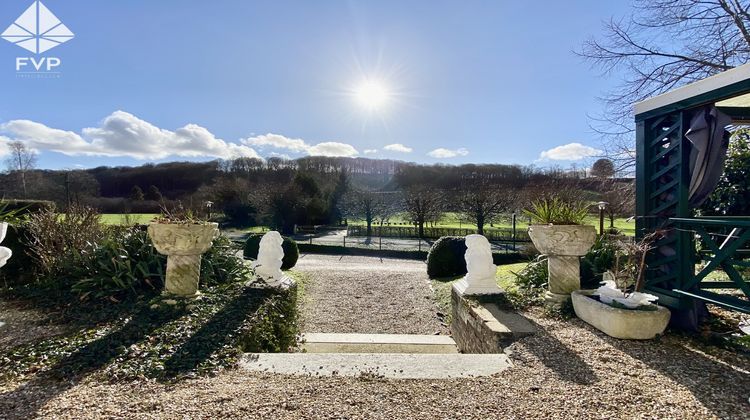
{"points": [[451, 220], [121, 219]]}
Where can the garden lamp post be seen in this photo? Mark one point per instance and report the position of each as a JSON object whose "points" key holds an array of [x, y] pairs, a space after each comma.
{"points": [[209, 204], [602, 206]]}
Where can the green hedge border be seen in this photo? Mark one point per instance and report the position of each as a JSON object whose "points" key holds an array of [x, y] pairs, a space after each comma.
{"points": [[498, 258]]}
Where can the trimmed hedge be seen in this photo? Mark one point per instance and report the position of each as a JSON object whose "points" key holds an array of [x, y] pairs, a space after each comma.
{"points": [[26, 206], [497, 258], [365, 252], [291, 251], [446, 257]]}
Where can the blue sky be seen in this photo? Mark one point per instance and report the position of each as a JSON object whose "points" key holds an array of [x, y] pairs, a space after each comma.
{"points": [[150, 81]]}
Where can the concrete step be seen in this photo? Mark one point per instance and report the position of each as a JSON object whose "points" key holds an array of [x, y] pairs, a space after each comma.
{"points": [[378, 343], [400, 366]]}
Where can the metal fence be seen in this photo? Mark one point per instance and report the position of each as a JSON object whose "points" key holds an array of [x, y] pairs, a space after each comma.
{"points": [[342, 239]]}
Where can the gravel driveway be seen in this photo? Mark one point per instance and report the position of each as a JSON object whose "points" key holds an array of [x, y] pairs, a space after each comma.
{"points": [[566, 370], [343, 296]]}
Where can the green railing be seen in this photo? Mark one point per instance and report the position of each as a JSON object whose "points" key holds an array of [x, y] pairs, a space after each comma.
{"points": [[724, 243]]}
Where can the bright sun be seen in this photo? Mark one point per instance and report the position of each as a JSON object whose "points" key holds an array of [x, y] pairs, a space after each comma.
{"points": [[371, 95]]}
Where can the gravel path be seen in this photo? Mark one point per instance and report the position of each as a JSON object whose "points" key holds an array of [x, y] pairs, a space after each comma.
{"points": [[343, 296], [19, 325], [567, 370]]}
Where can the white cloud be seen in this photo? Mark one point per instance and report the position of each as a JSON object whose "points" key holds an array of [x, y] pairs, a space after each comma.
{"points": [[4, 147], [398, 147], [278, 141], [123, 134], [441, 153], [570, 151], [370, 151], [332, 148]]}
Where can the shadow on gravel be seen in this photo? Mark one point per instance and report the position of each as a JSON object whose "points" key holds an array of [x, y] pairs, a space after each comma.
{"points": [[27, 399], [215, 334], [568, 365], [704, 375]]}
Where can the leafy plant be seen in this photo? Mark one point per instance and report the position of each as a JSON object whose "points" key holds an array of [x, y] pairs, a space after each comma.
{"points": [[220, 264], [556, 211], [600, 258], [534, 275], [124, 262], [179, 215]]}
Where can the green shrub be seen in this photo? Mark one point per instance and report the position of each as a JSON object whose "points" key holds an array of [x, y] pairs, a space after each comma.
{"points": [[534, 275], [557, 211], [600, 258], [220, 264], [365, 252], [291, 252], [275, 325], [446, 257], [124, 262]]}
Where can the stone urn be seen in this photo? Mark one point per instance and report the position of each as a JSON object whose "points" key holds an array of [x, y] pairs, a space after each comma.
{"points": [[564, 246], [629, 324], [183, 244]]}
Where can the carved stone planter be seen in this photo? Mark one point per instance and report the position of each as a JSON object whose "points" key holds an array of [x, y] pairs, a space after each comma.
{"points": [[183, 244], [627, 324], [564, 246]]}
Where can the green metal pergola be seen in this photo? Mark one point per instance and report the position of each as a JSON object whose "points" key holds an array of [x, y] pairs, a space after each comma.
{"points": [[663, 177]]}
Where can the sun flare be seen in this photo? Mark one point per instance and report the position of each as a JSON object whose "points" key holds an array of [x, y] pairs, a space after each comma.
{"points": [[372, 94]]}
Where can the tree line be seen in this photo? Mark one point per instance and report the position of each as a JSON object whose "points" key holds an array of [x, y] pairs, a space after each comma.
{"points": [[284, 193]]}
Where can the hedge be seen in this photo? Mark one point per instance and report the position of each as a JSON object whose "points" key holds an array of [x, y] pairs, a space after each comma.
{"points": [[498, 258], [26, 206], [291, 251], [446, 257]]}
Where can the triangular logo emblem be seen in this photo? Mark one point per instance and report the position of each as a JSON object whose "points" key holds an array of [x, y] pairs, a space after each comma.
{"points": [[37, 30]]}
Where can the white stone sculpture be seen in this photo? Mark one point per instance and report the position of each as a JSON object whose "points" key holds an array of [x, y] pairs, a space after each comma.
{"points": [[270, 255], [480, 276], [5, 253]]}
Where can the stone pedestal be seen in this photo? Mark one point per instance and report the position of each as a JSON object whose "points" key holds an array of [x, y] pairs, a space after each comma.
{"points": [[564, 246], [564, 277], [183, 244], [183, 274]]}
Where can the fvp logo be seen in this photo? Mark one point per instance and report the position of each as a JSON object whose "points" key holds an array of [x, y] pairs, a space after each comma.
{"points": [[37, 30]]}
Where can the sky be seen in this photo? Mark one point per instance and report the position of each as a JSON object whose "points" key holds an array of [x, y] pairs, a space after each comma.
{"points": [[421, 80]]}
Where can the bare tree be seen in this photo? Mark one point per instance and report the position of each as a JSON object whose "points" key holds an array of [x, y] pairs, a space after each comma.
{"points": [[20, 161], [620, 198], [482, 203], [370, 206], [663, 44], [423, 204]]}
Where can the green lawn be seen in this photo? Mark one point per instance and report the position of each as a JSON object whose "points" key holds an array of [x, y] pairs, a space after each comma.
{"points": [[122, 219], [452, 220]]}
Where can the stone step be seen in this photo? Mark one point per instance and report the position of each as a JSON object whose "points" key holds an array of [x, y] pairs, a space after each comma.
{"points": [[401, 366], [377, 343]]}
